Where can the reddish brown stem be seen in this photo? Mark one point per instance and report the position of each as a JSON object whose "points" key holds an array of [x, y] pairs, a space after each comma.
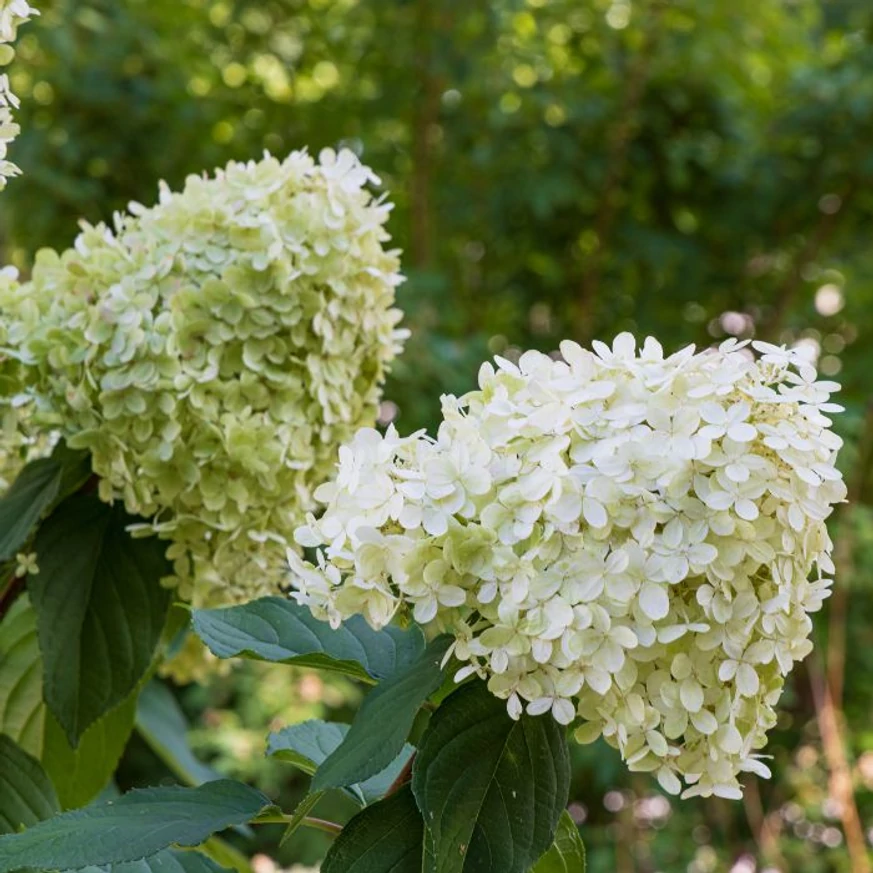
{"points": [[14, 589], [844, 561], [765, 828], [841, 787], [403, 777]]}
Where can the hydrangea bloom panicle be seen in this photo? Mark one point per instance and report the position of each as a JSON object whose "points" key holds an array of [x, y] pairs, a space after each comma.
{"points": [[212, 353], [12, 14], [627, 539]]}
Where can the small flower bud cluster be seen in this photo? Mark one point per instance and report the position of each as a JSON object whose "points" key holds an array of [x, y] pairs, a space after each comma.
{"points": [[632, 541], [212, 353], [12, 14]]}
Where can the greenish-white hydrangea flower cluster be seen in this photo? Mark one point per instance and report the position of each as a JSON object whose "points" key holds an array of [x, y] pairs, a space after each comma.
{"points": [[626, 539], [12, 14], [212, 353], [19, 442]]}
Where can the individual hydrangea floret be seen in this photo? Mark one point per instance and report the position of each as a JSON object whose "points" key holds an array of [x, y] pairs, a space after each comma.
{"points": [[212, 353], [12, 14], [627, 540]]}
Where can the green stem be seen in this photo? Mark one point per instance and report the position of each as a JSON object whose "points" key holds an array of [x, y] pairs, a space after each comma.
{"points": [[308, 821]]}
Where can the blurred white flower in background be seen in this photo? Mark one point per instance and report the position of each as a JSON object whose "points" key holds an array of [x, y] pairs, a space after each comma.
{"points": [[266, 864], [12, 14]]}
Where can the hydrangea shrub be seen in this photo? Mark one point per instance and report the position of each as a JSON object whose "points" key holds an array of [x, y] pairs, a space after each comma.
{"points": [[212, 352], [616, 543], [629, 541]]}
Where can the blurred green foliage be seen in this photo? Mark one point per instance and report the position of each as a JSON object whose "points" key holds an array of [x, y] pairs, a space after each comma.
{"points": [[693, 169]]}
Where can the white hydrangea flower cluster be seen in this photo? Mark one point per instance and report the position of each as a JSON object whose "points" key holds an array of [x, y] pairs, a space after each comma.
{"points": [[12, 14], [212, 353], [622, 538]]}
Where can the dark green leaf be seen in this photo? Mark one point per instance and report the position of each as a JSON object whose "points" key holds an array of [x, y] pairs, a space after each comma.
{"points": [[428, 860], [567, 854], [24, 503], [75, 467], [34, 491], [22, 712], [100, 609], [279, 630], [177, 629], [26, 794], [299, 816], [163, 726], [384, 721], [167, 861], [80, 774], [491, 789], [226, 855], [384, 838], [137, 825], [308, 744]]}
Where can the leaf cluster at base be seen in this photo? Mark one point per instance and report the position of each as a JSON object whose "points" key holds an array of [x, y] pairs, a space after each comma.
{"points": [[490, 790], [482, 792], [80, 631]]}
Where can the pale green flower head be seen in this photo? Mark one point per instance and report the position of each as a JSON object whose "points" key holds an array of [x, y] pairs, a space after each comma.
{"points": [[630, 542], [213, 352], [20, 442]]}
